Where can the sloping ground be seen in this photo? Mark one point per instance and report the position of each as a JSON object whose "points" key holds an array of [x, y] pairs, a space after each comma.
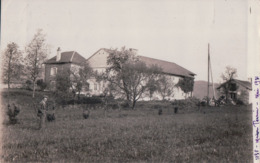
{"points": [[200, 89]]}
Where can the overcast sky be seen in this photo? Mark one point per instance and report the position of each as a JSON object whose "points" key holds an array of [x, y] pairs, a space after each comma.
{"points": [[177, 31]]}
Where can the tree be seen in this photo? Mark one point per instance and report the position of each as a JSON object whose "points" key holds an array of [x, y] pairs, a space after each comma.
{"points": [[165, 87], [186, 84], [12, 64], [79, 76], [227, 77], [37, 52], [152, 87], [229, 74], [127, 76], [63, 83]]}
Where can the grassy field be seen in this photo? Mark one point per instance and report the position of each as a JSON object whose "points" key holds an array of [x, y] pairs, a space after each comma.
{"points": [[208, 135]]}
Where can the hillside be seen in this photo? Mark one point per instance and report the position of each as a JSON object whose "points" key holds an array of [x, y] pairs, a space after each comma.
{"points": [[200, 89]]}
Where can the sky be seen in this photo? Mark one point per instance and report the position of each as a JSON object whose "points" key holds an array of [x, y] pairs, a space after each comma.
{"points": [[178, 31]]}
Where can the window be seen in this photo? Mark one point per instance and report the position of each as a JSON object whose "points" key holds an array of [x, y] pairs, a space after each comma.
{"points": [[53, 71]]}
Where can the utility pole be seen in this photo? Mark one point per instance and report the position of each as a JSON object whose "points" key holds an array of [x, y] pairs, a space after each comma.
{"points": [[208, 76]]}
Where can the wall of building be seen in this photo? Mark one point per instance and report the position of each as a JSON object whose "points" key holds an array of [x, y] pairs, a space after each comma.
{"points": [[50, 79], [99, 63], [244, 95], [99, 60]]}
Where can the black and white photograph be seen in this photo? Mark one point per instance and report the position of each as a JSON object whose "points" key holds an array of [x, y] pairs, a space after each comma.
{"points": [[130, 81]]}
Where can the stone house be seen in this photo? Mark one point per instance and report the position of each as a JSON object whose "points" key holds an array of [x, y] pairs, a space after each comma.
{"points": [[239, 89], [60, 63]]}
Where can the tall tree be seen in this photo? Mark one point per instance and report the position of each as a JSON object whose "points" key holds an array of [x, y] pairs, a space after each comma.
{"points": [[127, 76], [12, 64], [37, 52]]}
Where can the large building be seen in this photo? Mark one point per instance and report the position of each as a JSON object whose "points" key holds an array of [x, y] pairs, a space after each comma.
{"points": [[98, 61]]}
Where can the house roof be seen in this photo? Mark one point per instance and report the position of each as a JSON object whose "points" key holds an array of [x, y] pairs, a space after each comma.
{"points": [[243, 83], [67, 57], [167, 67]]}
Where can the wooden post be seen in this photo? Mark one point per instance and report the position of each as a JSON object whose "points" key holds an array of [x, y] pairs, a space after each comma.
{"points": [[208, 76]]}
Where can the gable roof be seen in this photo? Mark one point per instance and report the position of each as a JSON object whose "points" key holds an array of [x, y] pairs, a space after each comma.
{"points": [[167, 67], [67, 57], [243, 83]]}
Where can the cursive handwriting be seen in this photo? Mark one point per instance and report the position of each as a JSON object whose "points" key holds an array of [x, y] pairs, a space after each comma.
{"points": [[257, 136], [256, 121], [256, 154], [257, 81]]}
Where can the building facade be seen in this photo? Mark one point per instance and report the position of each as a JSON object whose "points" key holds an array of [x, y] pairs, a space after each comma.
{"points": [[238, 89], [98, 62], [62, 62]]}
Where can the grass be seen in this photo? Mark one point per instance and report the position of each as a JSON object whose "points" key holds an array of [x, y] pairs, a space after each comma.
{"points": [[210, 135]]}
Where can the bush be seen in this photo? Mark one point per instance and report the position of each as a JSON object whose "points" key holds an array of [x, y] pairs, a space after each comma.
{"points": [[28, 84], [41, 84], [12, 114], [85, 100], [239, 102]]}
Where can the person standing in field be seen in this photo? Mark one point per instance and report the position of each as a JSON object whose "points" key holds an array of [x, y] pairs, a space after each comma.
{"points": [[42, 112]]}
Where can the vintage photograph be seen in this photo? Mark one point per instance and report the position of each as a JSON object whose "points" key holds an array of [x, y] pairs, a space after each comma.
{"points": [[127, 80]]}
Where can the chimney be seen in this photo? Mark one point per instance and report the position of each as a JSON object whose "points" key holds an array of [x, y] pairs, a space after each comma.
{"points": [[58, 54]]}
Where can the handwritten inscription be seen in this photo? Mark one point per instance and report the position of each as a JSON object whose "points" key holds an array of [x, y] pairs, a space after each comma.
{"points": [[257, 80], [257, 136], [256, 121], [256, 154]]}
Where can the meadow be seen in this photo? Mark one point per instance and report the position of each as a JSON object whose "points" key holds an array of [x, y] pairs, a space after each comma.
{"points": [[208, 134]]}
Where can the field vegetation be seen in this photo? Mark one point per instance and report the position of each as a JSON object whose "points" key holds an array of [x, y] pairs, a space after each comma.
{"points": [[208, 134]]}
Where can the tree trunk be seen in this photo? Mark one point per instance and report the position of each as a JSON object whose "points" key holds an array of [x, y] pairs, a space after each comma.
{"points": [[8, 91], [33, 88], [133, 106]]}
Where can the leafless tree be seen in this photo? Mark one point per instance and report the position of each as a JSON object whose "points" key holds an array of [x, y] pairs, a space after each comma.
{"points": [[37, 52]]}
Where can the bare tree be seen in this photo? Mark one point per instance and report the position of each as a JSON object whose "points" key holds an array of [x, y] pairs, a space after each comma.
{"points": [[12, 64], [229, 74], [37, 52], [227, 77]]}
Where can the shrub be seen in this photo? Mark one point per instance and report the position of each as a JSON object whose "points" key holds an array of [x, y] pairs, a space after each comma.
{"points": [[28, 84], [41, 84], [84, 100], [239, 102], [12, 114]]}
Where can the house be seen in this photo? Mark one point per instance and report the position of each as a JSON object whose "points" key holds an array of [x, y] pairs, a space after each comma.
{"points": [[98, 61], [238, 89], [60, 63]]}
